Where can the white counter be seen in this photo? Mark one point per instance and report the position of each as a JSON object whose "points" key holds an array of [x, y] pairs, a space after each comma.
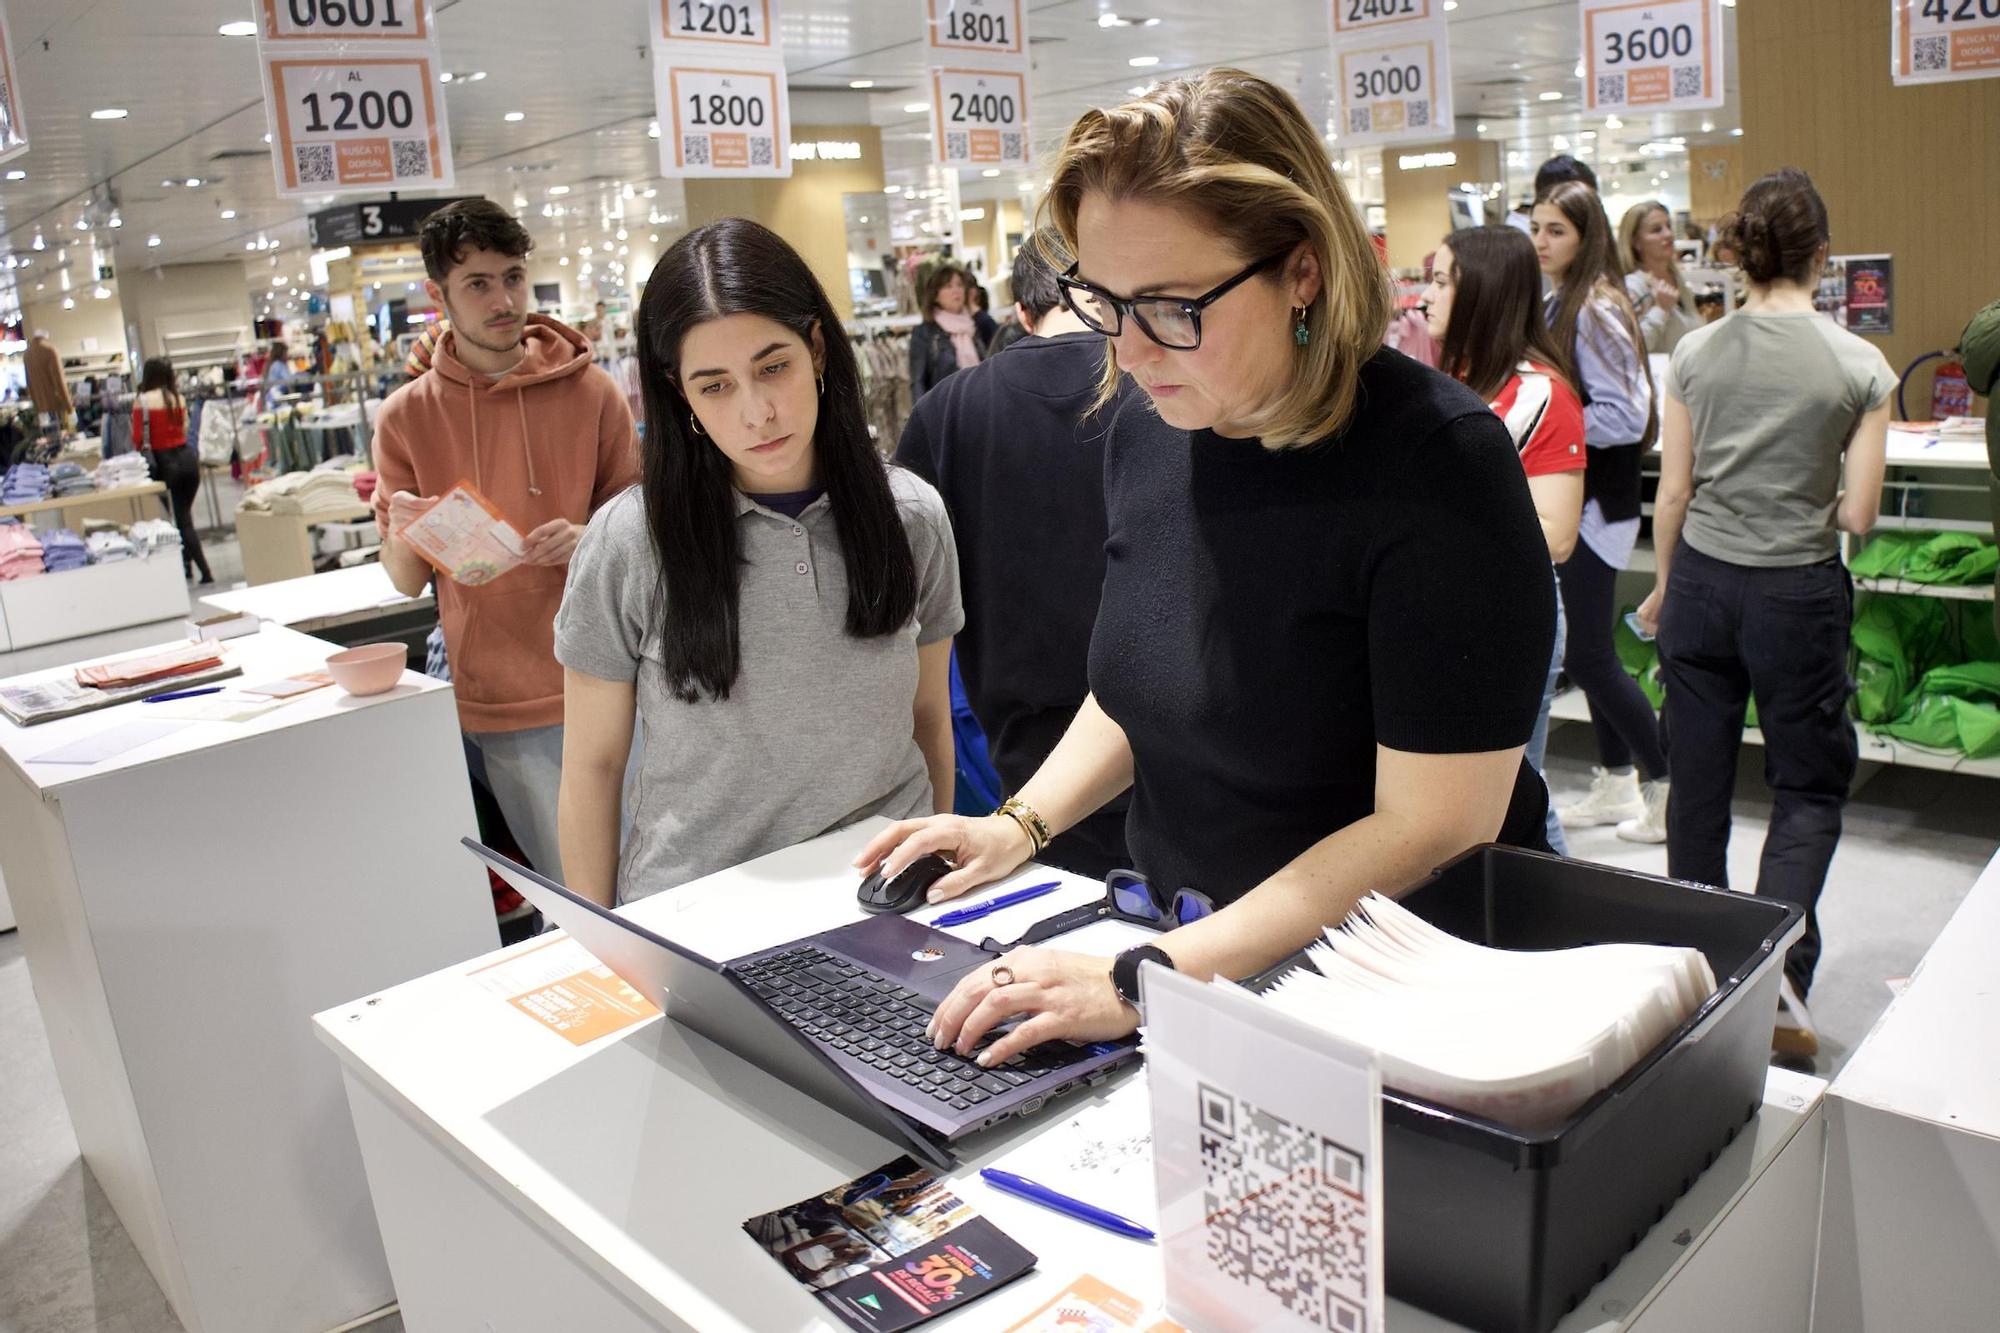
{"points": [[185, 907], [322, 601], [619, 1172]]}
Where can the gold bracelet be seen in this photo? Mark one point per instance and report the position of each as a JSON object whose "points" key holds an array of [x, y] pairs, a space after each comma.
{"points": [[1030, 821]]}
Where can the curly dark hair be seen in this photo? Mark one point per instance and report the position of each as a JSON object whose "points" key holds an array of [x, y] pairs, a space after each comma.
{"points": [[470, 224]]}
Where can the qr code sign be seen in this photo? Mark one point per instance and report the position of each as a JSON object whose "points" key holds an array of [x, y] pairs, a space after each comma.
{"points": [[1687, 81], [957, 146], [1931, 53], [760, 150], [1611, 90], [1359, 121], [1011, 147], [694, 149], [1419, 113], [411, 158], [314, 163], [1285, 1209]]}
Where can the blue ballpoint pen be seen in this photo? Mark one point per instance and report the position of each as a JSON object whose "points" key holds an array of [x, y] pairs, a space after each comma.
{"points": [[960, 916], [181, 694], [1009, 1183]]}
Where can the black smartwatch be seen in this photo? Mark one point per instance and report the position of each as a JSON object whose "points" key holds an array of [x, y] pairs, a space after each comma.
{"points": [[1125, 971]]}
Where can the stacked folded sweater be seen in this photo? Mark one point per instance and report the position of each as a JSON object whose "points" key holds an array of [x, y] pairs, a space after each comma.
{"points": [[108, 547], [63, 550], [20, 553], [122, 471], [70, 479], [304, 493], [153, 534], [25, 484]]}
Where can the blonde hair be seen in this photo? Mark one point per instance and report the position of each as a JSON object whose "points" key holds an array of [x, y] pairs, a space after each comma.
{"points": [[1238, 151], [1628, 244]]}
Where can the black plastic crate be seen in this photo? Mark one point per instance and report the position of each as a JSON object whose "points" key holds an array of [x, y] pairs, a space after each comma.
{"points": [[1506, 1232]]}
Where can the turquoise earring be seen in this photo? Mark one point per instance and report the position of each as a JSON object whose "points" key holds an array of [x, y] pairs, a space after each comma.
{"points": [[1300, 333]]}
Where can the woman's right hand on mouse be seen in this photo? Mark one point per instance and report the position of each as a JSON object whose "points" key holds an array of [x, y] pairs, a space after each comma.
{"points": [[982, 850]]}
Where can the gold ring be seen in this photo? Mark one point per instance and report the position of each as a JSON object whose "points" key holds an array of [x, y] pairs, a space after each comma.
{"points": [[1003, 976]]}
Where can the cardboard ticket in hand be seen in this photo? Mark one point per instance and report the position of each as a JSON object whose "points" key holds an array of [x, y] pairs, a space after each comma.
{"points": [[465, 537]]}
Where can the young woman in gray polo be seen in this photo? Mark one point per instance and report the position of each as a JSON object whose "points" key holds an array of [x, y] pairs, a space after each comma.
{"points": [[774, 603]]}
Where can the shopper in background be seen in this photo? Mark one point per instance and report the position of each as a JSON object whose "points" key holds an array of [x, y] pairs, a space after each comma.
{"points": [[1772, 445], [948, 339], [775, 604], [1653, 283], [1562, 167], [1017, 451], [1307, 701], [278, 375], [1484, 308], [48, 390], [1594, 327], [513, 407], [984, 326], [159, 430]]}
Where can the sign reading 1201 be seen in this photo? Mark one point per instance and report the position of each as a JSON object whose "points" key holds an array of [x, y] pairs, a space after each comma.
{"points": [[743, 23], [346, 20]]}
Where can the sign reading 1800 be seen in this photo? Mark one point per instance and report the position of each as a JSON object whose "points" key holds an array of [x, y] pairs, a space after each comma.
{"points": [[346, 20]]}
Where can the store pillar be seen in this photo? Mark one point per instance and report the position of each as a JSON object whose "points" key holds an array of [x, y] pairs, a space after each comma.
{"points": [[1415, 196]]}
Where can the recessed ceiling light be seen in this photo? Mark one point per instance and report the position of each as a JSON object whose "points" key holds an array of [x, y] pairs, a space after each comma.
{"points": [[559, 189], [1480, 128], [990, 172], [69, 303], [515, 115], [228, 213], [1140, 89], [652, 129], [654, 237], [861, 83], [238, 28], [475, 76], [915, 108], [1124, 21], [1450, 5], [152, 240], [1143, 62], [192, 182], [1737, 132], [892, 189], [17, 175], [1551, 96], [110, 113], [267, 138]]}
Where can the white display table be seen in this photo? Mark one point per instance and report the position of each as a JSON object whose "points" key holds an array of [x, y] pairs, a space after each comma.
{"points": [[619, 1173], [1911, 1233], [52, 607], [177, 970], [278, 546], [321, 602]]}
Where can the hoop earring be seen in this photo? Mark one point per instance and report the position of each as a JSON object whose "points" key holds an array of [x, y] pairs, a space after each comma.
{"points": [[694, 424], [1300, 333], [822, 386]]}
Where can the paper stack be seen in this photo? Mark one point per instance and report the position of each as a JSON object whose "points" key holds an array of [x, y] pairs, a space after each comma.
{"points": [[1523, 1039]]}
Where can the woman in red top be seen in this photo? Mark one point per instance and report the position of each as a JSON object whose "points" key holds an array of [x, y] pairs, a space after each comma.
{"points": [[1484, 307], [159, 428]]}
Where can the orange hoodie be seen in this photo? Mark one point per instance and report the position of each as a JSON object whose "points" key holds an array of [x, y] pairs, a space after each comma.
{"points": [[551, 439]]}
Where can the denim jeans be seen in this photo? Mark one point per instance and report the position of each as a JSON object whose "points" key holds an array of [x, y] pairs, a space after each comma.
{"points": [[1728, 632], [1538, 743], [523, 770]]}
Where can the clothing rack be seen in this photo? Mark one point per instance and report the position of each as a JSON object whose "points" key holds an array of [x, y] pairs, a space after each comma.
{"points": [[882, 348]]}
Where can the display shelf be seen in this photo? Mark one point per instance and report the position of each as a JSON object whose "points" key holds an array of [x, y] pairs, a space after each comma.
{"points": [[279, 546], [1975, 592], [52, 607], [135, 494]]}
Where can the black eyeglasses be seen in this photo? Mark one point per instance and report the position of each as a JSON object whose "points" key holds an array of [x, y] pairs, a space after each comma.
{"points": [[1127, 897], [1173, 322]]}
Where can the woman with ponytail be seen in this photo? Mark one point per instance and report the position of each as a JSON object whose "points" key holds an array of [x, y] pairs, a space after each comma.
{"points": [[1772, 445], [774, 603]]}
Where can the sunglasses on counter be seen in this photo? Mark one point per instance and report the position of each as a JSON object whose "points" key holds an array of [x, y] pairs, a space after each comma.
{"points": [[1127, 897]]}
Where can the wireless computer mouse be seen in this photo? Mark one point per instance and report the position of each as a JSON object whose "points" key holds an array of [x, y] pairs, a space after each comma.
{"points": [[905, 890]]}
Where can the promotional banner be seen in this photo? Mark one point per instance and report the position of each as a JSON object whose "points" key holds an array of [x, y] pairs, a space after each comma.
{"points": [[1652, 57], [366, 122], [13, 120], [977, 51], [719, 86], [1933, 41], [1392, 72]]}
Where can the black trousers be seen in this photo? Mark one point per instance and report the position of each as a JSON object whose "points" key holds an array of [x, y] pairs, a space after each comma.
{"points": [[181, 471], [1621, 717], [1727, 633]]}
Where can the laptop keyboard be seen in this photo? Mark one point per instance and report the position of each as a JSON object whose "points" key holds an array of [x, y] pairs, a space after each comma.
{"points": [[881, 1023]]}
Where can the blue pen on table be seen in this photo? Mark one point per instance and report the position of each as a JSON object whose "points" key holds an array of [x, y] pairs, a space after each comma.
{"points": [[180, 694], [1009, 1183], [962, 915]]}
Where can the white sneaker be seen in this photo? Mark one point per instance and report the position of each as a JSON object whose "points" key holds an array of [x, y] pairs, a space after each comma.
{"points": [[1612, 797], [1794, 1034], [1650, 826]]}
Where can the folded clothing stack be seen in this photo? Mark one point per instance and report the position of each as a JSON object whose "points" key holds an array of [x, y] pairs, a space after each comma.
{"points": [[63, 550], [20, 553], [69, 479], [153, 534], [25, 484], [108, 547], [121, 471], [303, 493]]}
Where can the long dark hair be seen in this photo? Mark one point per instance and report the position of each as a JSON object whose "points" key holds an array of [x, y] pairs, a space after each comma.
{"points": [[158, 373], [1779, 230], [736, 267], [1594, 274], [1496, 311]]}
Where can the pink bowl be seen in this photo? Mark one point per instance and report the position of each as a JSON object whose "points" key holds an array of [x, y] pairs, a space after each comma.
{"points": [[369, 669]]}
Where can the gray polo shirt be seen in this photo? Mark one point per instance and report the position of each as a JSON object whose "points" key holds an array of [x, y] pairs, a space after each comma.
{"points": [[1774, 399], [817, 730]]}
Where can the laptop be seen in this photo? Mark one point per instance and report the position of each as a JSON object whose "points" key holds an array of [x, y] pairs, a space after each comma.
{"points": [[839, 1015]]}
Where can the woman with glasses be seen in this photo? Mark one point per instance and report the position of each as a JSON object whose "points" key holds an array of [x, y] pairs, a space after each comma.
{"points": [[1327, 609]]}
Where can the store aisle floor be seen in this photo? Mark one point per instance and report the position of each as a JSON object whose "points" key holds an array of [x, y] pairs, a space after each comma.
{"points": [[1915, 842]]}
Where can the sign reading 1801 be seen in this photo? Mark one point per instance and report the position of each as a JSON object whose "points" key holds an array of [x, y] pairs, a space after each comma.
{"points": [[738, 24], [979, 117], [1659, 56], [345, 20], [989, 26]]}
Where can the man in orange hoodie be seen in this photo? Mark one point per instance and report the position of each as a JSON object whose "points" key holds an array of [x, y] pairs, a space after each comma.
{"points": [[514, 407]]}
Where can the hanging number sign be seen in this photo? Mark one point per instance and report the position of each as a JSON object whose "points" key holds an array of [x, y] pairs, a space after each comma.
{"points": [[984, 27], [1934, 41], [1394, 86], [1652, 57], [738, 24], [1356, 15], [13, 120], [345, 20], [979, 117], [344, 124], [724, 122]]}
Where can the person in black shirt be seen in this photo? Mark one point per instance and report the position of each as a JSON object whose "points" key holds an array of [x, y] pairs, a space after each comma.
{"points": [[948, 339], [1015, 449], [1327, 612]]}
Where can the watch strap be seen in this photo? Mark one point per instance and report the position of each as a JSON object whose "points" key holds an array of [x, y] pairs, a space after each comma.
{"points": [[1125, 970]]}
